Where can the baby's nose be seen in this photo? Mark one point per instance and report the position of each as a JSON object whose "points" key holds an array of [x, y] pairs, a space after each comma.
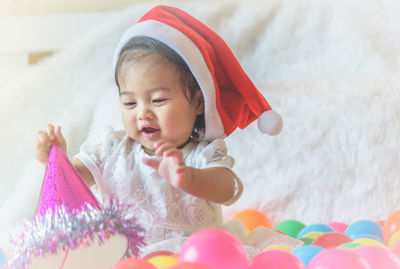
{"points": [[145, 114]]}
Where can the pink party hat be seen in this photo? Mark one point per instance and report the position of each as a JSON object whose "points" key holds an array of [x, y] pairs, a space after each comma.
{"points": [[63, 186]]}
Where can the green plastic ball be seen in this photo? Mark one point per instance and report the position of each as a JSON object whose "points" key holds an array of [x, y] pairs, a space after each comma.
{"points": [[290, 227]]}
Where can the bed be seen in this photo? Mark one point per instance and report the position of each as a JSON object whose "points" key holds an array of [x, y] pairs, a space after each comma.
{"points": [[331, 68]]}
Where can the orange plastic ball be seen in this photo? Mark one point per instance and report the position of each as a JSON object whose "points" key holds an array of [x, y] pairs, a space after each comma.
{"points": [[252, 218], [391, 226]]}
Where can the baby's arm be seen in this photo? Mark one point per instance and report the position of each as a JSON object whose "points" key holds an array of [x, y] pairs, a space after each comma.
{"points": [[52, 135], [83, 172], [213, 184]]}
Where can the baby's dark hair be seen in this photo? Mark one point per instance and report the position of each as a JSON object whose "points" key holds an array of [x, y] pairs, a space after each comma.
{"points": [[139, 48]]}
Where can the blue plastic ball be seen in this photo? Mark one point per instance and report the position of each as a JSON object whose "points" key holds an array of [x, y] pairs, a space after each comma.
{"points": [[306, 253], [3, 258], [365, 229]]}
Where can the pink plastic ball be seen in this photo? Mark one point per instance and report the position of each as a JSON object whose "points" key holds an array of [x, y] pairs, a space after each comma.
{"points": [[339, 227], [215, 248], [276, 259], [396, 248], [378, 257], [331, 240], [335, 258]]}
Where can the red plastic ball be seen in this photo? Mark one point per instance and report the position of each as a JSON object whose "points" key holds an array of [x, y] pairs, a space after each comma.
{"points": [[331, 240], [133, 263], [158, 253], [189, 265]]}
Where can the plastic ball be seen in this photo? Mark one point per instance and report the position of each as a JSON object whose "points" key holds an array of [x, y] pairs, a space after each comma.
{"points": [[335, 258], [369, 236], [284, 248], [350, 245], [158, 253], [391, 225], [189, 265], [364, 227], [252, 218], [313, 235], [290, 227], [396, 249], [331, 240], [368, 241], [276, 259], [339, 227], [163, 262], [307, 240], [306, 253], [381, 223], [394, 239], [133, 263], [314, 228], [378, 257], [3, 258], [214, 248]]}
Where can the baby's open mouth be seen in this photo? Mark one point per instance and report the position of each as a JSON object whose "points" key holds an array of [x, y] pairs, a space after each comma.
{"points": [[149, 130]]}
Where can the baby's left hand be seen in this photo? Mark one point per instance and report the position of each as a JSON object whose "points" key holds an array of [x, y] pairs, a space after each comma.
{"points": [[171, 166]]}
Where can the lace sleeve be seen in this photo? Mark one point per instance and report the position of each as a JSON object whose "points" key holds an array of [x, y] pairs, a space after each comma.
{"points": [[215, 154], [96, 149]]}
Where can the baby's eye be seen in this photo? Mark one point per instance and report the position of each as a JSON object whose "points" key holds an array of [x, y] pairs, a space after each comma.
{"points": [[129, 104], [159, 101]]}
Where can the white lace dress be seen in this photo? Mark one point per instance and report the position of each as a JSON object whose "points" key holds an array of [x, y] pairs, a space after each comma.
{"points": [[168, 214]]}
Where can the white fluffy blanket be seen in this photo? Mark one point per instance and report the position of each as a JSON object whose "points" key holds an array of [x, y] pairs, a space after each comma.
{"points": [[331, 69]]}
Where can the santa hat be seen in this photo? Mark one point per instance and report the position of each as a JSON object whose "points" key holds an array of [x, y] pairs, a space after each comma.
{"points": [[231, 99], [62, 186]]}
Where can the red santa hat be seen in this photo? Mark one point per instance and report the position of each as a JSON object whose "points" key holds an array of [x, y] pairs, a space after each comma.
{"points": [[230, 97]]}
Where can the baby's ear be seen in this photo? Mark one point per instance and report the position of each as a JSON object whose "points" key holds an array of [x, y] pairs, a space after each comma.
{"points": [[199, 102]]}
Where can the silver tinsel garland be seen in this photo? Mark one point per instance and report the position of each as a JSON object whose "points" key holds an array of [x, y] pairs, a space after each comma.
{"points": [[60, 229]]}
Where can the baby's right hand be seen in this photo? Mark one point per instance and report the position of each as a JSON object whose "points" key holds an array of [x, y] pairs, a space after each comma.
{"points": [[45, 139]]}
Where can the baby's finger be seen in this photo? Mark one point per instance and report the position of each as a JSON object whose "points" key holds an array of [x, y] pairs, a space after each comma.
{"points": [[154, 163], [43, 139], [60, 138], [174, 152], [50, 131], [181, 170]]}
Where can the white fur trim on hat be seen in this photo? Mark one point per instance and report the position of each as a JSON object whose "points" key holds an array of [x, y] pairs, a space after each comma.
{"points": [[270, 122]]}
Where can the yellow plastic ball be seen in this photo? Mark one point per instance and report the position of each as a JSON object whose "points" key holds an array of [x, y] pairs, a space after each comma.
{"points": [[163, 262], [285, 248], [313, 234], [368, 241], [393, 240]]}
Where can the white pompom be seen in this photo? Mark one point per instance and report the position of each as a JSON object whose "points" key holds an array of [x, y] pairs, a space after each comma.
{"points": [[270, 122]]}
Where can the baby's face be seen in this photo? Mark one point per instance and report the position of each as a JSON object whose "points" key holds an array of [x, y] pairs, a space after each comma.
{"points": [[153, 104]]}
